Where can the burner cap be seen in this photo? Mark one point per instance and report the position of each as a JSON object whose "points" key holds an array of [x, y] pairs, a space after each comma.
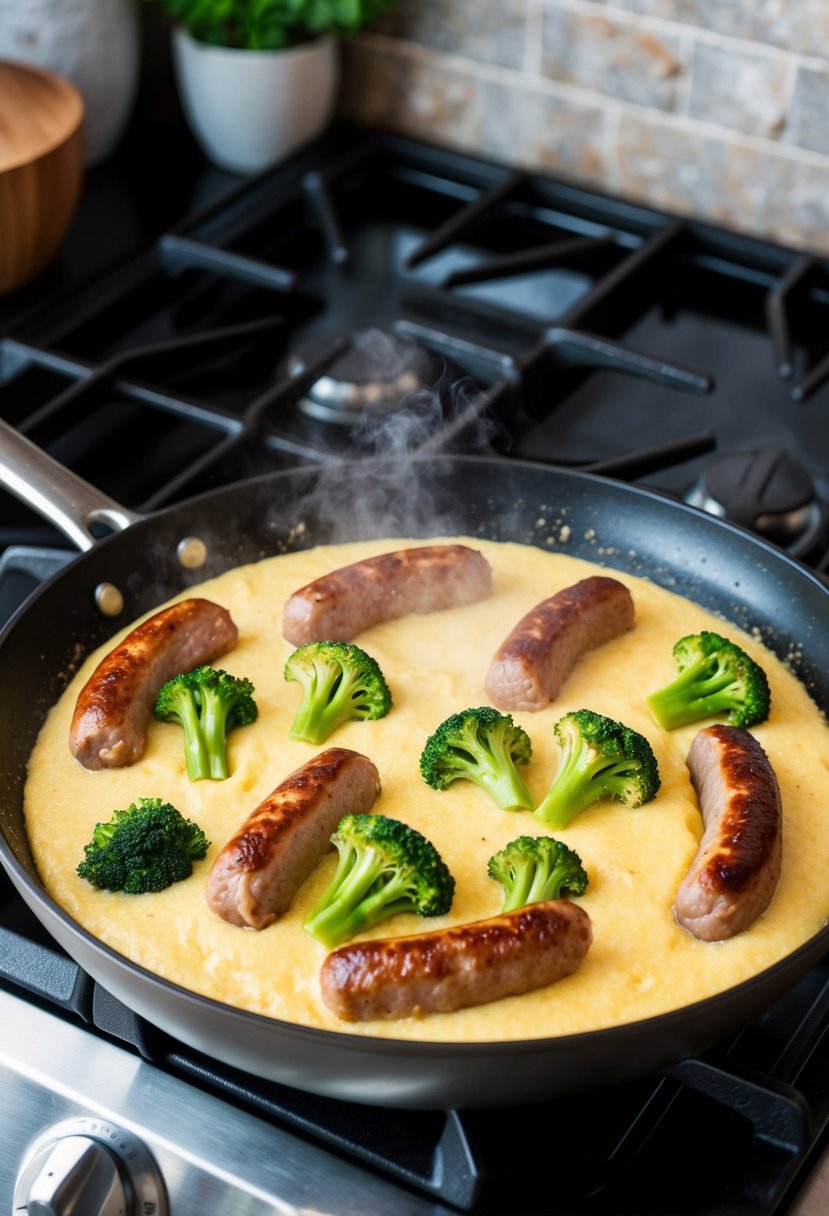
{"points": [[376, 371], [764, 489]]}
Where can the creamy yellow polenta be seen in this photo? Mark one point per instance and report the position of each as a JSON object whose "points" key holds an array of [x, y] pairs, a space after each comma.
{"points": [[641, 963]]}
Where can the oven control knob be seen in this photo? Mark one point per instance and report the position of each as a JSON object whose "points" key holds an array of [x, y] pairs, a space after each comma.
{"points": [[89, 1166]]}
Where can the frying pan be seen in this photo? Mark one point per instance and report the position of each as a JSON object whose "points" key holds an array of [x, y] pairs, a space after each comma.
{"points": [[720, 566]]}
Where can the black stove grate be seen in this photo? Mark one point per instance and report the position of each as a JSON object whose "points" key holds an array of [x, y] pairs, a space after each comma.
{"points": [[573, 329]]}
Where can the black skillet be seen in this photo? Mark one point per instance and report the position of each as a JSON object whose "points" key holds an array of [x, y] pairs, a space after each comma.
{"points": [[721, 567]]}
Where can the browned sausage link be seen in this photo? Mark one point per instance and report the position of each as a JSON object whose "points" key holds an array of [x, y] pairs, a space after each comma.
{"points": [[115, 705], [449, 969], [737, 867], [258, 872], [533, 663], [347, 601]]}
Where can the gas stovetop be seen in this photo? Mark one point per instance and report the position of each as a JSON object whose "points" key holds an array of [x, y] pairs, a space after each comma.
{"points": [[378, 296]]}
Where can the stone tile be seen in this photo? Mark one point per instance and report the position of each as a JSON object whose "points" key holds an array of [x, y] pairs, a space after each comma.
{"points": [[739, 186], [414, 96], [808, 127], [542, 130], [750, 186], [793, 25], [618, 58], [741, 90], [487, 31], [410, 95]]}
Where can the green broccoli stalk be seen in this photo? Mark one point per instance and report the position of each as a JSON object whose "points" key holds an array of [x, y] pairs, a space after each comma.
{"points": [[483, 746], [716, 679], [384, 867], [339, 682], [600, 759], [534, 868], [207, 702], [146, 847]]}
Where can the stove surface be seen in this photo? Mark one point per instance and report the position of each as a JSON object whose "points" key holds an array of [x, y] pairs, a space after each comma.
{"points": [[544, 323], [213, 1157]]}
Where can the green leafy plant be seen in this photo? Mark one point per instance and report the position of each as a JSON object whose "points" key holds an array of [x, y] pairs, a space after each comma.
{"points": [[267, 25]]}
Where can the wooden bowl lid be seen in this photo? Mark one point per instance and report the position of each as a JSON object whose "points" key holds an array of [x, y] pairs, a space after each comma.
{"points": [[39, 111]]}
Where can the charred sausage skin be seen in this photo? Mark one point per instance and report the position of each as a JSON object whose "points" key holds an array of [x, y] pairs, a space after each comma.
{"points": [[735, 872], [532, 664], [114, 707], [256, 875], [455, 968], [344, 603]]}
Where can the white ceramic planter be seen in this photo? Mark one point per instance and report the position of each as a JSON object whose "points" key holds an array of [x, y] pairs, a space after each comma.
{"points": [[93, 43], [250, 109]]}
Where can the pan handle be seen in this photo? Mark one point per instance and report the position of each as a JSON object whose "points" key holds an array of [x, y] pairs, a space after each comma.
{"points": [[59, 495]]}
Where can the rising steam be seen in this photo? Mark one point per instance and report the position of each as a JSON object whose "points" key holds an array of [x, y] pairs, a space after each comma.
{"points": [[385, 485]]}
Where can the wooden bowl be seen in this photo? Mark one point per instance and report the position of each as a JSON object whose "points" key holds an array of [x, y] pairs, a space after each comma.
{"points": [[41, 168]]}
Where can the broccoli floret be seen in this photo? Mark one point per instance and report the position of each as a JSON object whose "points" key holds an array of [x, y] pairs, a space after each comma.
{"points": [[484, 746], [533, 868], [600, 759], [716, 679], [208, 703], [146, 847], [339, 682], [384, 867]]}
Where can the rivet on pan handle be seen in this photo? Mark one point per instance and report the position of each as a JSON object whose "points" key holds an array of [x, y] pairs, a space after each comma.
{"points": [[109, 599], [191, 553]]}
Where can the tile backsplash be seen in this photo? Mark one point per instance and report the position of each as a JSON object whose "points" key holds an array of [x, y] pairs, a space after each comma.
{"points": [[717, 109]]}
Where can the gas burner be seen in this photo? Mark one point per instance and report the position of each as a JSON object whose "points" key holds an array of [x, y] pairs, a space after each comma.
{"points": [[376, 372], [765, 490]]}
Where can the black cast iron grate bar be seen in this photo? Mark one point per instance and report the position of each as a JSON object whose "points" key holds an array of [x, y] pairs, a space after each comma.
{"points": [[22, 355], [319, 189], [432, 307], [285, 445], [221, 338], [572, 349], [253, 426], [301, 376], [453, 342], [44, 973], [777, 318], [321, 199], [76, 308], [539, 257], [648, 256], [285, 394], [179, 482], [800, 1057], [141, 358], [632, 465], [183, 253], [464, 221], [576, 348], [782, 1124], [811, 1029], [812, 381], [91, 380]]}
